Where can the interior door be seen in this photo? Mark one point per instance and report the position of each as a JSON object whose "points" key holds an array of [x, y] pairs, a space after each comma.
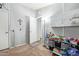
{"points": [[20, 32], [33, 30], [39, 28], [3, 29]]}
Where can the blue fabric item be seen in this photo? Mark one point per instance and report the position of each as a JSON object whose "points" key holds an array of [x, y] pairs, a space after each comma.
{"points": [[73, 52]]}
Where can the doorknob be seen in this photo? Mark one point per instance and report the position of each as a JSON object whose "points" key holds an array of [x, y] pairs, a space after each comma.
{"points": [[6, 32]]}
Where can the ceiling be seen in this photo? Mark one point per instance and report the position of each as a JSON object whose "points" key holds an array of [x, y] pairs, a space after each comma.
{"points": [[36, 6]]}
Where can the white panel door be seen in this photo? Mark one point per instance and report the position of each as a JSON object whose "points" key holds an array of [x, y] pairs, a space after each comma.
{"points": [[33, 30], [3, 29], [20, 32], [39, 28]]}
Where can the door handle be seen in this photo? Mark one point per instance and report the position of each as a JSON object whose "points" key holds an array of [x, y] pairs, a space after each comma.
{"points": [[6, 32]]}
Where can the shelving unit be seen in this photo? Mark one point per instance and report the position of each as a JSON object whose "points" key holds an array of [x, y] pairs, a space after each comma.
{"points": [[61, 47], [63, 26], [60, 54], [66, 30]]}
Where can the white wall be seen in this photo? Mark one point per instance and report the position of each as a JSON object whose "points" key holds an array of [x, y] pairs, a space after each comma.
{"points": [[17, 12], [70, 6], [50, 10]]}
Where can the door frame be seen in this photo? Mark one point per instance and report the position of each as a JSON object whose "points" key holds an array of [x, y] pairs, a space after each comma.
{"points": [[9, 25], [28, 21]]}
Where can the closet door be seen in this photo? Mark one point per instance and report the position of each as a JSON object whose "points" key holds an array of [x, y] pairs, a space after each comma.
{"points": [[39, 31], [3, 29], [33, 30]]}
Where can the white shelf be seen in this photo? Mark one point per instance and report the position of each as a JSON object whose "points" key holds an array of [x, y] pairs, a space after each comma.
{"points": [[63, 26]]}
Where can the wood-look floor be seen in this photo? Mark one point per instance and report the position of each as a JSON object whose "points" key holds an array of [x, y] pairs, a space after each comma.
{"points": [[26, 50]]}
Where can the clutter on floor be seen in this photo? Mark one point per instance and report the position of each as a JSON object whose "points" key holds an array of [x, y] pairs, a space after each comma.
{"points": [[62, 46]]}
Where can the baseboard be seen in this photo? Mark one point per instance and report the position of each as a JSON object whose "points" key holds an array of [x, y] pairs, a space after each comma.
{"points": [[11, 47], [4, 49], [20, 45], [35, 42]]}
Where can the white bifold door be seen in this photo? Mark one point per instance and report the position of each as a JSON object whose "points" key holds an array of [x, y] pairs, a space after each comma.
{"points": [[3, 29]]}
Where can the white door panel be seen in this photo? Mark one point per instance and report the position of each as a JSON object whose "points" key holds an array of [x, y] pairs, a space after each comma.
{"points": [[33, 30], [3, 29]]}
